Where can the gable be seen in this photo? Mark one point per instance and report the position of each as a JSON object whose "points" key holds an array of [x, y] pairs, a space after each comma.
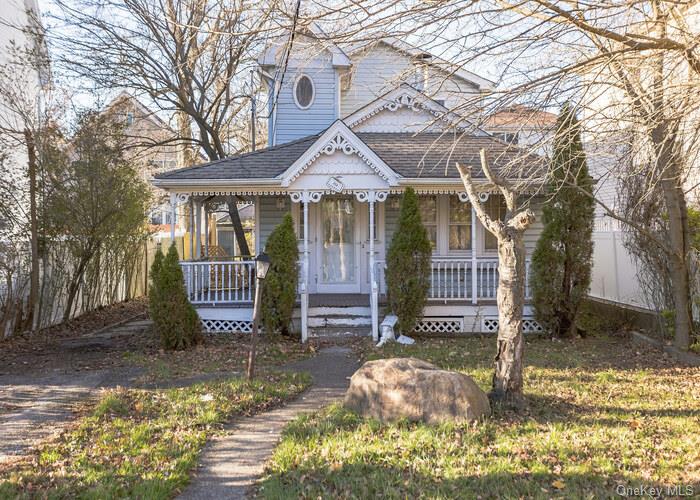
{"points": [[336, 161], [379, 66], [311, 41], [405, 109], [375, 71]]}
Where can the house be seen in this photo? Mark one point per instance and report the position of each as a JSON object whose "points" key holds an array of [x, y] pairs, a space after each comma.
{"points": [[151, 149], [349, 129], [522, 125]]}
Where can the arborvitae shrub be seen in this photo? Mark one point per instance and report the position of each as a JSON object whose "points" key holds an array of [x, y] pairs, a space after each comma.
{"points": [[408, 265], [280, 287], [562, 260], [175, 320]]}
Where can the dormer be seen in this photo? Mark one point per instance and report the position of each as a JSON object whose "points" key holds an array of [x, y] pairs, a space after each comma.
{"points": [[302, 74]]}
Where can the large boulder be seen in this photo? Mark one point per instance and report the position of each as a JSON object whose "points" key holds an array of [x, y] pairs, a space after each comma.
{"points": [[396, 388]]}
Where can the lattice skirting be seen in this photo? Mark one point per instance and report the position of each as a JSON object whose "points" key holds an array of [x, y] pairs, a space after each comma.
{"points": [[490, 325], [440, 325], [227, 325]]}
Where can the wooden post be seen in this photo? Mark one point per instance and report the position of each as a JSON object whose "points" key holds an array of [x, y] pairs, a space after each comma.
{"points": [[254, 337], [198, 217], [206, 231], [305, 273], [173, 211], [474, 262], [373, 303], [191, 229]]}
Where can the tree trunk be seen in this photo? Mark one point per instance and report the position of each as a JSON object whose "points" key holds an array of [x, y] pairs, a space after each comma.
{"points": [[33, 313], [73, 288], [668, 166], [508, 375], [237, 226], [678, 228], [565, 322]]}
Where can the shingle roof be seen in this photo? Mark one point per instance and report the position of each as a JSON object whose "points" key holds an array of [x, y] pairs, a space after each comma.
{"points": [[262, 164], [426, 155], [434, 155]]}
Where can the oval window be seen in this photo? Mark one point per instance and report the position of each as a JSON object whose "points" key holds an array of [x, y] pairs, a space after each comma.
{"points": [[304, 91]]}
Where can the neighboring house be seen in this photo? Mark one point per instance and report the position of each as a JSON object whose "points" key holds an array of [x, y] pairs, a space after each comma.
{"points": [[224, 238], [148, 135], [18, 18], [349, 131], [526, 127]]}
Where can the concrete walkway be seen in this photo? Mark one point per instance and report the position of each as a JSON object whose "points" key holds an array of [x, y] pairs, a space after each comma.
{"points": [[35, 407], [231, 464]]}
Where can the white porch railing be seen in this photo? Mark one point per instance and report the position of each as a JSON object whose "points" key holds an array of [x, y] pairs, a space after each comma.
{"points": [[219, 282], [451, 278], [232, 282]]}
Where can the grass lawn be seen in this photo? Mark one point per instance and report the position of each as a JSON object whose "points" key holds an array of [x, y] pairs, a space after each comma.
{"points": [[139, 443], [220, 352], [601, 413]]}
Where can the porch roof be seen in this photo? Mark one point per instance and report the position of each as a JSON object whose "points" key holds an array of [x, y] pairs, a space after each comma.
{"points": [[423, 155]]}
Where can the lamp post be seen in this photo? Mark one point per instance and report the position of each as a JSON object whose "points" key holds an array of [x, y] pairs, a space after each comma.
{"points": [[262, 266]]}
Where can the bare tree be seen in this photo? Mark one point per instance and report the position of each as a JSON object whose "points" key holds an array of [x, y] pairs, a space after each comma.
{"points": [[24, 116], [632, 68], [189, 58], [508, 375]]}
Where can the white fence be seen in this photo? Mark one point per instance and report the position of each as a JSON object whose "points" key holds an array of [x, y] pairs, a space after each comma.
{"points": [[614, 276]]}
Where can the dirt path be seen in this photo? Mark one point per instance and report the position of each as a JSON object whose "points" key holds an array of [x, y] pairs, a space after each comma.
{"points": [[35, 405], [232, 463]]}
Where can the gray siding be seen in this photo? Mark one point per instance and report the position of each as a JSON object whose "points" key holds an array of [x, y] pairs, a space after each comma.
{"points": [[374, 73], [391, 219], [270, 215], [381, 68], [533, 232], [291, 121]]}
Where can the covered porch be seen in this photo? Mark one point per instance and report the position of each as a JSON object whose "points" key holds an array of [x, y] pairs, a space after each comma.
{"points": [[343, 238]]}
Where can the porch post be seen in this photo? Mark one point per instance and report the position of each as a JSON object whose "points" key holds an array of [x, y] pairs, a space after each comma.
{"points": [[198, 216], [206, 230], [191, 229], [372, 278], [173, 211], [305, 281], [474, 272]]}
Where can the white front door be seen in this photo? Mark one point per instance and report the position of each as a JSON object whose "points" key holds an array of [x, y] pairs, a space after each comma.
{"points": [[339, 257]]}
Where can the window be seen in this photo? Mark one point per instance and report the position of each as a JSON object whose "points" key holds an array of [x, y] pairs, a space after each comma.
{"points": [[460, 224], [304, 91], [428, 214], [508, 137], [157, 217], [496, 208], [300, 222], [129, 119]]}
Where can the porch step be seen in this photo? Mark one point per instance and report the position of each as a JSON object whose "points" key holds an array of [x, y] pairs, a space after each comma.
{"points": [[340, 332], [336, 320], [353, 311]]}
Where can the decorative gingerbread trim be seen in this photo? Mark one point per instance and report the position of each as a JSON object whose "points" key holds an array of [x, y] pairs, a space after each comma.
{"points": [[410, 98], [306, 196], [339, 137], [371, 196]]}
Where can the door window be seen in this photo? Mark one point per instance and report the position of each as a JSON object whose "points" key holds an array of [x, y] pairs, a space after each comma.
{"points": [[338, 232]]}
